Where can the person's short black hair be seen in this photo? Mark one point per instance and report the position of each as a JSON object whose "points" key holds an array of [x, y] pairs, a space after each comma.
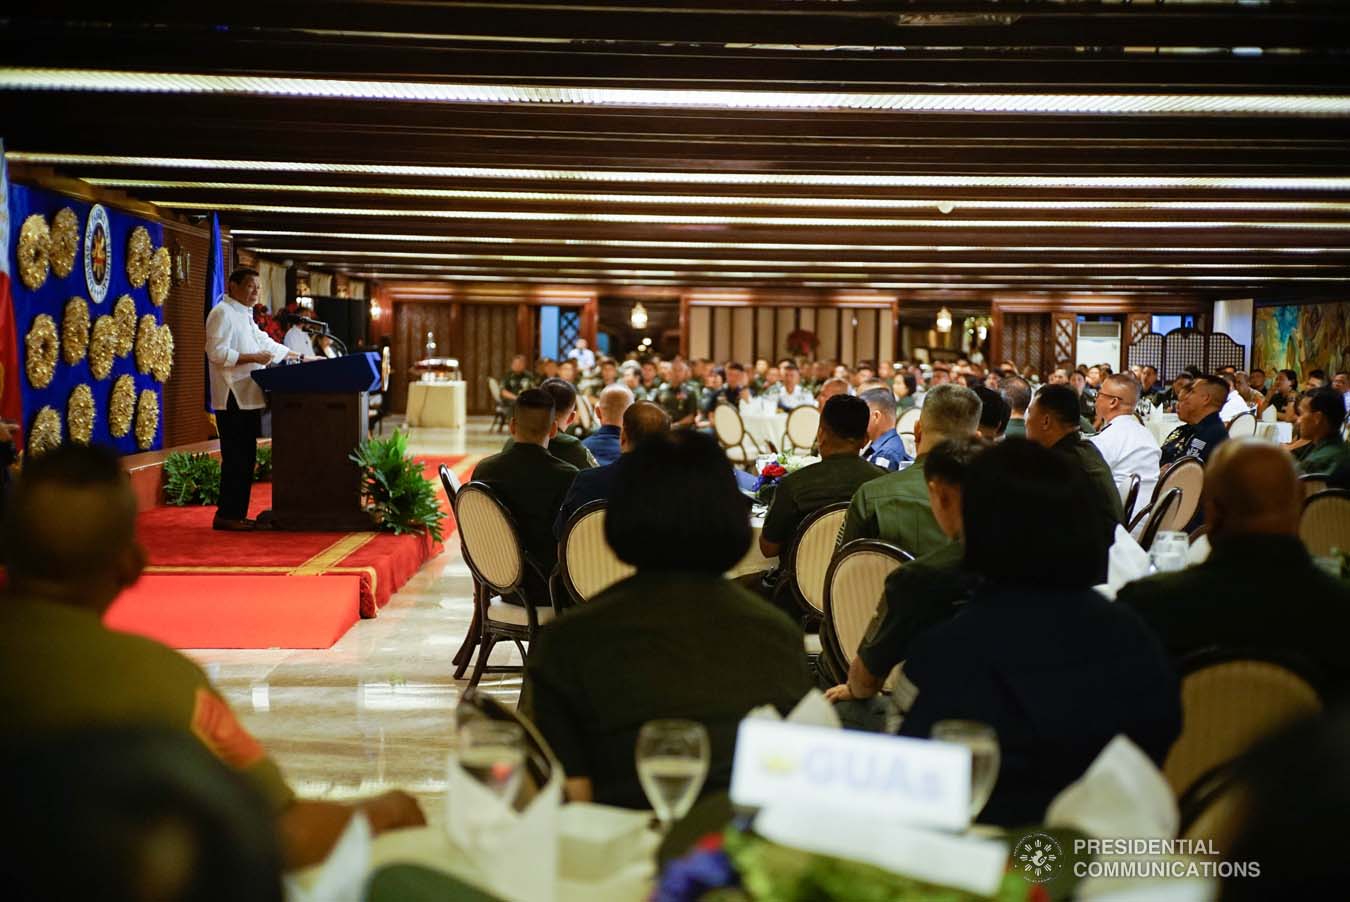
{"points": [[534, 411], [736, 366], [1061, 402], [994, 411], [1318, 374], [675, 506], [240, 273], [1257, 369], [1290, 375], [1016, 392], [1018, 488], [950, 458], [882, 398], [846, 416], [563, 393], [910, 382], [1193, 371], [1330, 404], [788, 365]]}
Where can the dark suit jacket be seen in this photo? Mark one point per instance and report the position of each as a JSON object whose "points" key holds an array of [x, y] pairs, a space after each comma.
{"points": [[532, 484], [590, 485]]}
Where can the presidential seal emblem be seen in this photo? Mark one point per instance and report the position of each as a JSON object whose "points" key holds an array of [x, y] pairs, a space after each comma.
{"points": [[97, 254], [1037, 857]]}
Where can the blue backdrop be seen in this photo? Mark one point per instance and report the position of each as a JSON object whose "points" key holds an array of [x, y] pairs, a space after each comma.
{"points": [[51, 299]]}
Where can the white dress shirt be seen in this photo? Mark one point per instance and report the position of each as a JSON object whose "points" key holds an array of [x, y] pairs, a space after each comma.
{"points": [[298, 340], [231, 332], [584, 357], [789, 400], [1130, 448], [1232, 407]]}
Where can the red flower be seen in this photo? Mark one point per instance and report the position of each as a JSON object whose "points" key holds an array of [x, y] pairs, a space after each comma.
{"points": [[773, 471], [711, 843]]}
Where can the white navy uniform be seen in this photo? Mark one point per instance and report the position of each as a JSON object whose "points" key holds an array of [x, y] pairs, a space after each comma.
{"points": [[1129, 448]]}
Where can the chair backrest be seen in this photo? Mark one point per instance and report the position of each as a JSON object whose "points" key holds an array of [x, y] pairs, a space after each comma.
{"points": [[854, 586], [911, 444], [1162, 513], [728, 426], [491, 541], [1313, 483], [1131, 496], [1229, 703], [905, 422], [540, 761], [1242, 426], [496, 388], [1187, 474], [802, 423], [589, 566], [450, 482], [811, 551], [1325, 523], [585, 413]]}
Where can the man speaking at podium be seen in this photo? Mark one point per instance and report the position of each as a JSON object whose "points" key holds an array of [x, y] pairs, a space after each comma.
{"points": [[235, 347]]}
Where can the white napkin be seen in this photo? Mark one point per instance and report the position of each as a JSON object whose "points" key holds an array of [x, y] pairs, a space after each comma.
{"points": [[1125, 562], [497, 838], [814, 710], [1198, 552], [1121, 795], [342, 876]]}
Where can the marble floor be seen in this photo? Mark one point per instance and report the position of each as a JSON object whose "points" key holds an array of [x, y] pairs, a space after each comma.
{"points": [[375, 711]]}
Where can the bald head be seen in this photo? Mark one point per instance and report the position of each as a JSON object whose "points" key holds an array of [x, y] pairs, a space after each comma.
{"points": [[641, 421], [614, 400], [1251, 487]]}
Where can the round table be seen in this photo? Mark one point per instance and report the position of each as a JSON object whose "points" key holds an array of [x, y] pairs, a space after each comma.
{"points": [[1277, 432], [437, 404], [765, 428]]}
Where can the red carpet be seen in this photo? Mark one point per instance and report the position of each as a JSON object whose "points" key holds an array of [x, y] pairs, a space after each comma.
{"points": [[208, 589], [186, 611]]}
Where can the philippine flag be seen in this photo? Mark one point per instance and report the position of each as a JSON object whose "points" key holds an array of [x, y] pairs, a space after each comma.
{"points": [[11, 404]]}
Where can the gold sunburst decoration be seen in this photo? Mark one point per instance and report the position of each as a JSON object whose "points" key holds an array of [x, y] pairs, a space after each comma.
{"points": [[147, 336], [161, 362], [121, 406], [34, 251], [147, 419], [161, 267], [124, 314], [102, 347], [80, 414], [46, 432], [43, 349], [65, 242], [139, 251], [75, 330]]}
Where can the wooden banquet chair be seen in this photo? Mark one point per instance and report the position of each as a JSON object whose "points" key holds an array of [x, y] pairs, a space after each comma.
{"points": [[905, 422], [540, 762], [450, 482], [731, 435], [1313, 483], [493, 551], [1161, 513], [587, 565], [1186, 474], [803, 565], [1325, 523], [1242, 426], [854, 586], [911, 444], [1231, 700], [800, 430], [1131, 496], [585, 414], [501, 410]]}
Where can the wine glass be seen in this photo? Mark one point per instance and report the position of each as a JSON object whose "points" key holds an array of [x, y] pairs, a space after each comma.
{"points": [[672, 763], [493, 753], [982, 741]]}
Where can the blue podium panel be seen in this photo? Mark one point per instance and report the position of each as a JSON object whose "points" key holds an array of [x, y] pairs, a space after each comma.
{"points": [[339, 375]]}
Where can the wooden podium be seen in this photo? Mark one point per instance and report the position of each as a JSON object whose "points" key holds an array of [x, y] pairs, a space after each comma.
{"points": [[319, 416]]}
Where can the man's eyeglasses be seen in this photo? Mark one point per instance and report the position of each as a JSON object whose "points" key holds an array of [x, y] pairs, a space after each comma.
{"points": [[1102, 394]]}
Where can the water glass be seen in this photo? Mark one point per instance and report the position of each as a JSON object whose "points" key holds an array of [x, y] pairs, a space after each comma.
{"points": [[1168, 552], [982, 741], [493, 753], [672, 763]]}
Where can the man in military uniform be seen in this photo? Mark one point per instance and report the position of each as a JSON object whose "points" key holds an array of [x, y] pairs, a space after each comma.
{"points": [[793, 393], [517, 380], [1052, 422], [895, 508], [561, 445], [1320, 448], [679, 397], [1201, 430], [884, 448], [651, 382], [68, 538]]}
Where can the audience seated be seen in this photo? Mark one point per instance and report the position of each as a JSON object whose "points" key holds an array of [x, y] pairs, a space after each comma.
{"points": [[1016, 394], [994, 413], [1258, 590], [678, 396], [564, 447], [793, 393], [604, 442], [68, 539], [676, 640], [895, 508], [884, 448], [1052, 666], [1052, 422], [831, 387], [925, 592], [1126, 445], [1320, 449], [1202, 429], [641, 420], [530, 481]]}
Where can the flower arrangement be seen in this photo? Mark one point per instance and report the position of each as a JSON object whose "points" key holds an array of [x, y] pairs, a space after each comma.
{"points": [[772, 471], [802, 343]]}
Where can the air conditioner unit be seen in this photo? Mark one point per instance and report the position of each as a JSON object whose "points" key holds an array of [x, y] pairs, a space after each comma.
{"points": [[1099, 343]]}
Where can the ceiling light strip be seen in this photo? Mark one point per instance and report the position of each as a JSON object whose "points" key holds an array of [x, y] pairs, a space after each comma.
{"points": [[1076, 104], [763, 179]]}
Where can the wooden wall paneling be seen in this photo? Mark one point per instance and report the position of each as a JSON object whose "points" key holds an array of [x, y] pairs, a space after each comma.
{"points": [[785, 323], [827, 330], [743, 333], [700, 332], [848, 327], [1137, 325], [1064, 336], [807, 321], [765, 328], [865, 341], [721, 333], [184, 415], [886, 336]]}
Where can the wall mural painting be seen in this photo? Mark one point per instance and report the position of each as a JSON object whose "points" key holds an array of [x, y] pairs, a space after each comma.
{"points": [[1302, 337]]}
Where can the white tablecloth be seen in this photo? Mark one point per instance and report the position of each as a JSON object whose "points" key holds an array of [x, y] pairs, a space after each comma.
{"points": [[437, 404], [1162, 427], [753, 562], [765, 427]]}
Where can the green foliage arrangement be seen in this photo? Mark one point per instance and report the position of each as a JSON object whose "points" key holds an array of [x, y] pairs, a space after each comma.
{"points": [[400, 497], [191, 478], [262, 467]]}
